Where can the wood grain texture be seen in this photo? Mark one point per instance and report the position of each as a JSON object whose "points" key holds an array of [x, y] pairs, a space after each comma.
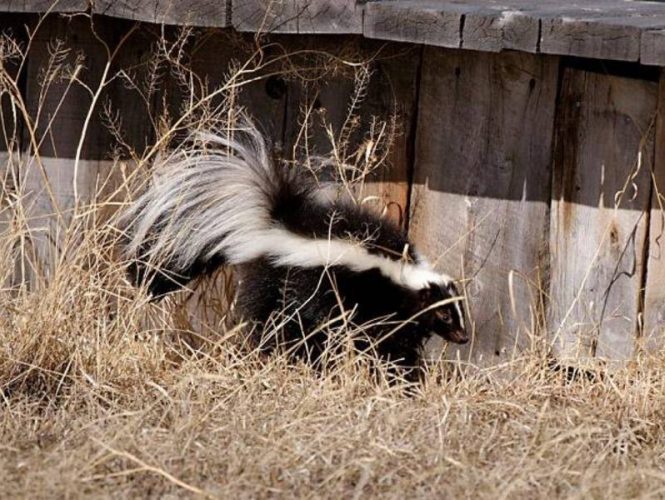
{"points": [[297, 16], [393, 91], [599, 222], [481, 185], [602, 29], [264, 98], [11, 128], [181, 12], [518, 30], [416, 22], [58, 106], [605, 29], [472, 26], [654, 294], [264, 16], [599, 37], [483, 29], [325, 17], [386, 109], [210, 13], [652, 47], [38, 6], [66, 122]]}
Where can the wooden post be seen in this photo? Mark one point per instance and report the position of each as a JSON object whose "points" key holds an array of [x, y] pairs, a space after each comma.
{"points": [[482, 186], [654, 298], [601, 195]]}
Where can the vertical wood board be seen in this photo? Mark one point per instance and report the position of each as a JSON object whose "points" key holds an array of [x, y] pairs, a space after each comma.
{"points": [[264, 98], [387, 108], [481, 189], [597, 234], [393, 91], [59, 110], [654, 293], [12, 122]]}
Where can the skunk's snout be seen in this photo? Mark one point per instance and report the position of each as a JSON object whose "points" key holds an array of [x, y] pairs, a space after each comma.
{"points": [[458, 336]]}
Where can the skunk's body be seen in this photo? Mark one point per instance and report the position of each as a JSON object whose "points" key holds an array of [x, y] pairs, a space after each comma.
{"points": [[306, 264]]}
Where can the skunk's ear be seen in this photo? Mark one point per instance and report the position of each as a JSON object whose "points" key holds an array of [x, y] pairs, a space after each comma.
{"points": [[453, 290], [426, 294]]}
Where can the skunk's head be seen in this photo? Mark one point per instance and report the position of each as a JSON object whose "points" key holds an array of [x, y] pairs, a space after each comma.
{"points": [[445, 320]]}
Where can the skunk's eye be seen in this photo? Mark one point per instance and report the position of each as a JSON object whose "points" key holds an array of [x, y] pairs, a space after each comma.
{"points": [[444, 315]]}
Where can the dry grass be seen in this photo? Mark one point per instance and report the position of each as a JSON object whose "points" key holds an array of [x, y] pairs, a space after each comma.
{"points": [[105, 394], [229, 425]]}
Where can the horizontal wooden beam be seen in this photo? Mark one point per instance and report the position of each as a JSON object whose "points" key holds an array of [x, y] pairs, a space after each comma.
{"points": [[626, 30], [602, 29], [478, 26], [207, 13], [297, 16]]}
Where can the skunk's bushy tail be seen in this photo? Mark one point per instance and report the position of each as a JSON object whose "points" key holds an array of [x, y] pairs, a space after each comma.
{"points": [[224, 201], [209, 204]]}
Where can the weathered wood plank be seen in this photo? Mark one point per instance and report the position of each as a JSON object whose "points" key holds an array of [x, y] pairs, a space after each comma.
{"points": [[323, 16], [481, 188], [519, 23], [187, 12], [606, 29], [583, 28], [57, 105], [519, 31], [13, 32], [415, 22], [210, 13], [598, 224], [41, 6], [393, 91], [322, 99], [654, 294], [386, 111], [264, 98], [652, 47], [615, 38], [602, 28], [297, 16], [446, 24], [70, 115], [483, 29], [264, 16]]}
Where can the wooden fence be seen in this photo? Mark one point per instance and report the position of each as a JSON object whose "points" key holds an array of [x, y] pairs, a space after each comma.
{"points": [[530, 160]]}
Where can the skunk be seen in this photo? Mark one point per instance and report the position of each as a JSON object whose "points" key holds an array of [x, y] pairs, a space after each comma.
{"points": [[303, 259]]}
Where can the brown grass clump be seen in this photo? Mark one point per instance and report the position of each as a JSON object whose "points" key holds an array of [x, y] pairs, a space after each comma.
{"points": [[106, 394], [233, 425]]}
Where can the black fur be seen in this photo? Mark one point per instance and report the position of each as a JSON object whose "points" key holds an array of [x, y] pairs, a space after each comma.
{"points": [[161, 279], [295, 205], [289, 304]]}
